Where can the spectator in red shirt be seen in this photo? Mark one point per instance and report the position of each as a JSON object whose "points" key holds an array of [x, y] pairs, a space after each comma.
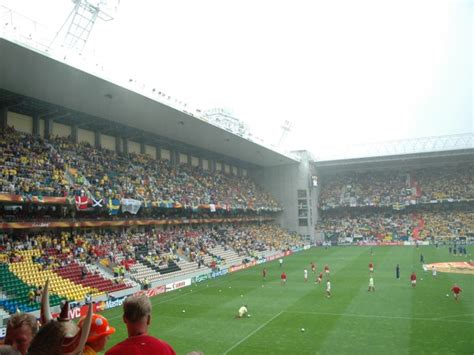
{"points": [[413, 279], [283, 278], [137, 317], [456, 290]]}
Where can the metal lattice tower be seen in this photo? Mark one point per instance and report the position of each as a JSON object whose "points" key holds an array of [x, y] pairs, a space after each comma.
{"points": [[285, 129], [80, 23]]}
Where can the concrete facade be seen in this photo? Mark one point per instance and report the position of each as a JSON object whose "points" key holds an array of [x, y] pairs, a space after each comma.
{"points": [[291, 185]]}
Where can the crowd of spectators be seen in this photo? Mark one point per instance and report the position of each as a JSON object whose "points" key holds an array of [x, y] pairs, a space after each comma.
{"points": [[398, 187], [29, 166], [107, 174], [113, 248], [364, 189], [397, 225], [446, 183], [449, 224], [58, 249], [379, 225]]}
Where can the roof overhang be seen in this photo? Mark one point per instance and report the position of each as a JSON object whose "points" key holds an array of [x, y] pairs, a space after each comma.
{"points": [[395, 161], [36, 76]]}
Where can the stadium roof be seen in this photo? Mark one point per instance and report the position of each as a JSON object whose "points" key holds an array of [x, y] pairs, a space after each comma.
{"points": [[416, 160], [33, 83]]}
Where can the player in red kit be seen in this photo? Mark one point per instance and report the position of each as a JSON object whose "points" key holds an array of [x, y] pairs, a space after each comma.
{"points": [[413, 279], [371, 267], [313, 267], [283, 278], [326, 270], [456, 290], [320, 278], [264, 274]]}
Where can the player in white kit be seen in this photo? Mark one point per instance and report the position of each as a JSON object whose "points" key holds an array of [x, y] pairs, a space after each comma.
{"points": [[328, 289], [371, 284]]}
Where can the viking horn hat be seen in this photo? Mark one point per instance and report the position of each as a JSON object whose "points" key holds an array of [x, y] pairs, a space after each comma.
{"points": [[45, 315], [75, 345]]}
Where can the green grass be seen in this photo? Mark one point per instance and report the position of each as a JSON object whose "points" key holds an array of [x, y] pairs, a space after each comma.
{"points": [[396, 319]]}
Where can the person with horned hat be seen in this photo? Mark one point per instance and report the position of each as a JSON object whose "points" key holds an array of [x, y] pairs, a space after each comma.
{"points": [[61, 336]]}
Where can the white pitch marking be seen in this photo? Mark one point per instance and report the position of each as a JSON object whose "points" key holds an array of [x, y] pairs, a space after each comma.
{"points": [[457, 315], [381, 317], [256, 330]]}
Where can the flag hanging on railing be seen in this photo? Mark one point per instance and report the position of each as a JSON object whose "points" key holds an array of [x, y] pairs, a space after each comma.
{"points": [[130, 205]]}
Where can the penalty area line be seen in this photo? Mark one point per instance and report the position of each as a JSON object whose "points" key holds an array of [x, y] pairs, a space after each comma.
{"points": [[380, 317], [252, 333], [456, 315]]}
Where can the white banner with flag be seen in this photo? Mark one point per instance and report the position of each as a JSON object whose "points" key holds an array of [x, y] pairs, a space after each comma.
{"points": [[130, 205]]}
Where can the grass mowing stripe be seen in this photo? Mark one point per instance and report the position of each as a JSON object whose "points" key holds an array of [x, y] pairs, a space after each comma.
{"points": [[354, 298], [253, 332], [156, 298], [430, 299]]}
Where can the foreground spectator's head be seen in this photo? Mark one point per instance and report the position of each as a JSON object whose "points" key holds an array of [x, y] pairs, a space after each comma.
{"points": [[21, 329], [99, 332], [137, 314]]}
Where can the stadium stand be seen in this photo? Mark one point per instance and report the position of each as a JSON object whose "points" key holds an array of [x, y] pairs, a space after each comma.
{"points": [[420, 203], [398, 187], [29, 166]]}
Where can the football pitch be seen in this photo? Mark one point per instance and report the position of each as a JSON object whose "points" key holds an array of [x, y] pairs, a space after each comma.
{"points": [[395, 319]]}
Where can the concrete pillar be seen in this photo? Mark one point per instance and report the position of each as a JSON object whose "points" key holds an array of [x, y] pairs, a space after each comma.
{"points": [[97, 142], [174, 157], [118, 145], [48, 128], [3, 118], [74, 133], [124, 145], [142, 148], [158, 153], [36, 125]]}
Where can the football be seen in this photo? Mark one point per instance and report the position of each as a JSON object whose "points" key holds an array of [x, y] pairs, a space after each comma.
{"points": [[302, 329]]}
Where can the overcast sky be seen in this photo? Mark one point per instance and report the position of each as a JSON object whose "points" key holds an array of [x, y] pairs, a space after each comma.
{"points": [[343, 72]]}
